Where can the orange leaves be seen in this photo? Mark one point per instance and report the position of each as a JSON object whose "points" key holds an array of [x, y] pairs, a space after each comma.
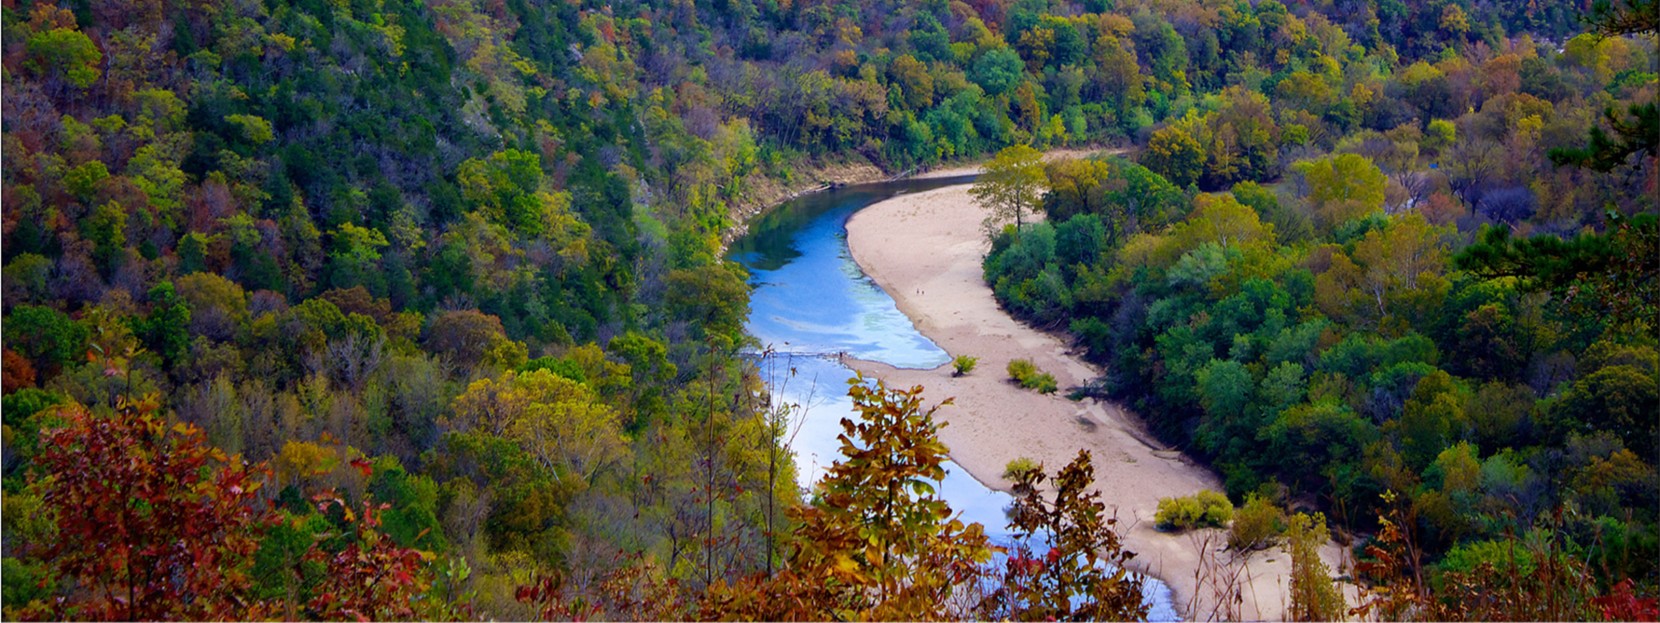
{"points": [[17, 371]]}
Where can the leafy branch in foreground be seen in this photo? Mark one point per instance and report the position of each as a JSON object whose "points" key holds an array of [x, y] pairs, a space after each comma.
{"points": [[1612, 274], [1077, 572], [877, 542], [1638, 133], [147, 521]]}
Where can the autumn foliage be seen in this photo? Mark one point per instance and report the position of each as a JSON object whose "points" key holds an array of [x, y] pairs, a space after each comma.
{"points": [[153, 523], [1076, 570], [877, 542]]}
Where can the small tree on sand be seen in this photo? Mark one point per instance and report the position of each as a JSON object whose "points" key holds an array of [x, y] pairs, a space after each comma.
{"points": [[1012, 184]]}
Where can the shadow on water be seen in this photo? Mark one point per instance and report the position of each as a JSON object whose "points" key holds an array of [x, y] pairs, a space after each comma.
{"points": [[811, 304]]}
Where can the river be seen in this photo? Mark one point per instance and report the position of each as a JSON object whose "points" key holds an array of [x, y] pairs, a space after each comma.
{"points": [[810, 304]]}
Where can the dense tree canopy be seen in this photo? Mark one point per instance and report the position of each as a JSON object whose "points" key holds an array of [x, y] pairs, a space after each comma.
{"points": [[451, 272]]}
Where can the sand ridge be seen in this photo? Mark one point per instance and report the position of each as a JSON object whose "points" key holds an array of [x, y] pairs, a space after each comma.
{"points": [[925, 249]]}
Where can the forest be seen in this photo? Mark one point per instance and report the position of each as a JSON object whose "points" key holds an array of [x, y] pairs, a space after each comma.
{"points": [[385, 309]]}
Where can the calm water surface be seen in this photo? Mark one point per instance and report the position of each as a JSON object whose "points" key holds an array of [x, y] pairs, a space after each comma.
{"points": [[811, 304]]}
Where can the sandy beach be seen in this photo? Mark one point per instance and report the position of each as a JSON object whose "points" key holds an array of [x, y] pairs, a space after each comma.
{"points": [[925, 250]]}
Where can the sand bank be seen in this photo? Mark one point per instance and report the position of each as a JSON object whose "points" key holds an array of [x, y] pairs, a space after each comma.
{"points": [[925, 250]]}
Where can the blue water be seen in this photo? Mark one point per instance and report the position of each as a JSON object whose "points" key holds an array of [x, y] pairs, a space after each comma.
{"points": [[810, 297], [811, 304]]}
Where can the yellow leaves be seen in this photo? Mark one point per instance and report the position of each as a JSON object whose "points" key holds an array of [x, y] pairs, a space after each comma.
{"points": [[1362, 95], [1011, 185], [1621, 467], [303, 459], [1115, 25], [1337, 290], [1342, 187], [281, 41], [1174, 153], [557, 420], [1418, 73], [1222, 219], [1149, 250], [254, 129], [506, 353], [391, 38], [1392, 270], [561, 227], [1453, 20]]}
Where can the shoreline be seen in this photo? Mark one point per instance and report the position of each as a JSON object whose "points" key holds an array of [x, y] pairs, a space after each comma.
{"points": [[821, 176], [925, 250]]}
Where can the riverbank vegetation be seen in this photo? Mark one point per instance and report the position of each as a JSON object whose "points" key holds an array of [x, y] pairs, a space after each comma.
{"points": [[1430, 316], [1026, 374], [430, 293]]}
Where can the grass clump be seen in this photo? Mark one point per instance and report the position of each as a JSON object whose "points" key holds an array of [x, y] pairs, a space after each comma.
{"points": [[1207, 509], [1029, 376], [963, 364]]}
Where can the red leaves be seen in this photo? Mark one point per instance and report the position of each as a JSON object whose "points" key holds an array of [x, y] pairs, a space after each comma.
{"points": [[154, 523], [372, 578], [1620, 604], [363, 466], [150, 517], [554, 602]]}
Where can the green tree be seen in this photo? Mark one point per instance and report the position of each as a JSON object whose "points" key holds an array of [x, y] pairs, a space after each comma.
{"points": [[1174, 154], [997, 71], [1226, 390], [1620, 399], [167, 327], [1342, 187], [66, 52], [45, 335], [1430, 421], [713, 298], [1012, 184]]}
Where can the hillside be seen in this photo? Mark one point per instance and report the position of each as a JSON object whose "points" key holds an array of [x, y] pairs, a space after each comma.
{"points": [[415, 310]]}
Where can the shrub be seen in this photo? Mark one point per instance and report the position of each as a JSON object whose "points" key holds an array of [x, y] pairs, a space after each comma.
{"points": [[963, 364], [1207, 509], [1313, 596], [1256, 524], [1027, 374], [1022, 465]]}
